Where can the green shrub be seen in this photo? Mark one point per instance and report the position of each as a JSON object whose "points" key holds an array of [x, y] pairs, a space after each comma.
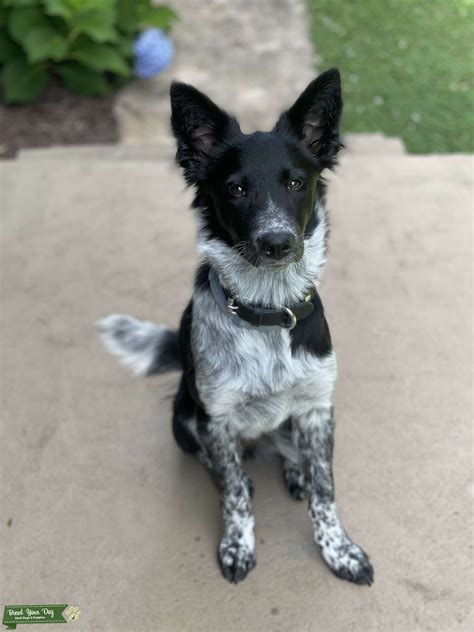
{"points": [[87, 44]]}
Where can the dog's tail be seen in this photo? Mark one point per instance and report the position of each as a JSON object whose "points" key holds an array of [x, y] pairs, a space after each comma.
{"points": [[145, 348]]}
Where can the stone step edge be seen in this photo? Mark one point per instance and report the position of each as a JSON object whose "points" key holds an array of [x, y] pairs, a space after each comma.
{"points": [[375, 143]]}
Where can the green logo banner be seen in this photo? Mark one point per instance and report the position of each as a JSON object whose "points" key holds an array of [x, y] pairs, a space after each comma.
{"points": [[43, 613]]}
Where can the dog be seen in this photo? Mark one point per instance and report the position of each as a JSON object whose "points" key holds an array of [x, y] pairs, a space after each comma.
{"points": [[253, 345]]}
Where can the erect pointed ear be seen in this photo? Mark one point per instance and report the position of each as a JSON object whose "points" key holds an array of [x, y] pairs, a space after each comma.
{"points": [[199, 125], [314, 118]]}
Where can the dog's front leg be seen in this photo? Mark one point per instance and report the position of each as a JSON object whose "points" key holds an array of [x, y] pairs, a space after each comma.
{"points": [[236, 551], [315, 438]]}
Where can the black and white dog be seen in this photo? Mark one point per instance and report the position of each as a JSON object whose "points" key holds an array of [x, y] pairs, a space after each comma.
{"points": [[253, 344]]}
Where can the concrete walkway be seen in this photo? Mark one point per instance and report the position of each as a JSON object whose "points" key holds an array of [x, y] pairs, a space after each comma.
{"points": [[253, 57], [99, 509]]}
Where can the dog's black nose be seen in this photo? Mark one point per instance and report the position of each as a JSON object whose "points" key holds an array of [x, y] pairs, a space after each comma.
{"points": [[276, 245]]}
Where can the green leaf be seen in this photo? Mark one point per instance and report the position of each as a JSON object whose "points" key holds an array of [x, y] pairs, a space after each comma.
{"points": [[95, 18], [44, 42], [100, 57], [69, 10], [125, 46], [8, 48], [20, 3], [133, 15], [96, 25], [83, 80], [23, 82], [3, 16], [160, 17], [21, 21], [127, 15], [59, 8]]}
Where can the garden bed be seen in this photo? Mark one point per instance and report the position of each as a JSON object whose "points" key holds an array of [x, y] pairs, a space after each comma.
{"points": [[57, 118]]}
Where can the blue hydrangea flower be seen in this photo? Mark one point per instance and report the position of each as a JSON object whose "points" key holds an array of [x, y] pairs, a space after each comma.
{"points": [[153, 52]]}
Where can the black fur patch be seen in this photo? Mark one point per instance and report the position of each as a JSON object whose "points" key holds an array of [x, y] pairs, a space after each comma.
{"points": [[184, 407], [312, 333], [168, 358]]}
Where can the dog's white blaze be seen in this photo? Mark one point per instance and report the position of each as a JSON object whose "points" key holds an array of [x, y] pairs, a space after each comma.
{"points": [[274, 220]]}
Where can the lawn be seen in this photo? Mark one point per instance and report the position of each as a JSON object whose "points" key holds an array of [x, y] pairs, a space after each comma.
{"points": [[407, 67]]}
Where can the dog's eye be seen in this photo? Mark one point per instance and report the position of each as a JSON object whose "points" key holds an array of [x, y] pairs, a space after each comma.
{"points": [[295, 184], [236, 190]]}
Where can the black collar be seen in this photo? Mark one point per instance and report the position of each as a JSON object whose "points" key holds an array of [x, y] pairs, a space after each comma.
{"points": [[254, 316]]}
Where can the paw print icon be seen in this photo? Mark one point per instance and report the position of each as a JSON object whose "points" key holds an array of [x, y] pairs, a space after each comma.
{"points": [[73, 613]]}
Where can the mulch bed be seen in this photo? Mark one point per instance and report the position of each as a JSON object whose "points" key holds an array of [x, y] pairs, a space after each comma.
{"points": [[58, 118]]}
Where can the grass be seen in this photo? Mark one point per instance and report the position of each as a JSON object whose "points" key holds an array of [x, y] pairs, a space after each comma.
{"points": [[407, 67]]}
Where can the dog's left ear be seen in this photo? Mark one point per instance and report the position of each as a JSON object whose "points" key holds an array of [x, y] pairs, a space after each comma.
{"points": [[314, 118]]}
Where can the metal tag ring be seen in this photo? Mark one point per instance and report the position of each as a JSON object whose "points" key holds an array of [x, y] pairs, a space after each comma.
{"points": [[293, 319], [230, 304]]}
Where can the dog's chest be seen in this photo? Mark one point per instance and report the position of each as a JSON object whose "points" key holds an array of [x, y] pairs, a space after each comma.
{"points": [[248, 378]]}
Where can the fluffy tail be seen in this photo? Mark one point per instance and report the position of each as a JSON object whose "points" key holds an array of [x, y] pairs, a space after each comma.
{"points": [[145, 348]]}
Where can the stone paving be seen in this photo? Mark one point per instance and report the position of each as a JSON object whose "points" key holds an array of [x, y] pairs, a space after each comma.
{"points": [[252, 57]]}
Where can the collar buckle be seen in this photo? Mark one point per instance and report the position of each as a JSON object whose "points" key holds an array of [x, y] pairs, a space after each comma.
{"points": [[231, 305]]}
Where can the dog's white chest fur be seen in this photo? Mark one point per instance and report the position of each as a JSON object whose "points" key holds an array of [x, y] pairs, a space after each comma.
{"points": [[248, 379]]}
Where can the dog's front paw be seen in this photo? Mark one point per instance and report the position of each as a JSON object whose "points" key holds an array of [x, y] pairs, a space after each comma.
{"points": [[348, 561], [236, 559]]}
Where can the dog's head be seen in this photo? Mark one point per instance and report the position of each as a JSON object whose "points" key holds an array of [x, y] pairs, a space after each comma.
{"points": [[258, 191]]}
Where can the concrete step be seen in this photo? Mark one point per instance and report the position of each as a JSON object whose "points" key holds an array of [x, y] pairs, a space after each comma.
{"points": [[374, 143], [367, 144], [164, 151]]}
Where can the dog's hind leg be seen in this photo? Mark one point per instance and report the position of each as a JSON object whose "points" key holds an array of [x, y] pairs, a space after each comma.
{"points": [[184, 424], [184, 419], [285, 441], [294, 479], [315, 436]]}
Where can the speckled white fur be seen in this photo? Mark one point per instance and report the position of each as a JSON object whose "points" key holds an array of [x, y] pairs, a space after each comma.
{"points": [[251, 383]]}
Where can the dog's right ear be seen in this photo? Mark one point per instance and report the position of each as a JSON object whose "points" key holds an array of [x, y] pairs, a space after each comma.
{"points": [[199, 125]]}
